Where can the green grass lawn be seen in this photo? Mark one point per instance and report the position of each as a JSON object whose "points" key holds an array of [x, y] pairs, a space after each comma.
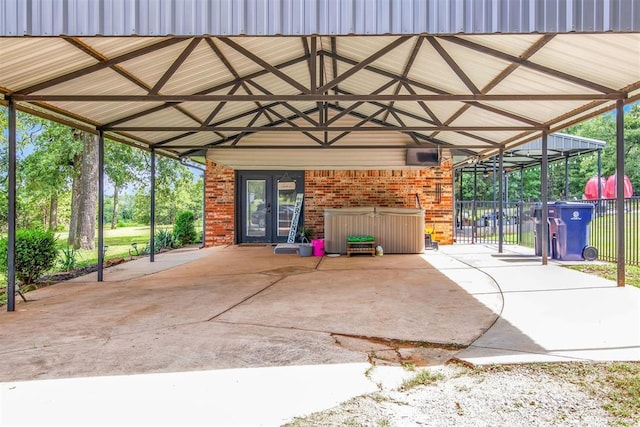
{"points": [[118, 242], [610, 271]]}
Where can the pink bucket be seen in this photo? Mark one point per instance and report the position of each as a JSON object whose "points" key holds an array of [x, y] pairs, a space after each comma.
{"points": [[318, 247]]}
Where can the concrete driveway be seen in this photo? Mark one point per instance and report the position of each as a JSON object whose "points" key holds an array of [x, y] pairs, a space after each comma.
{"points": [[244, 306], [240, 336]]}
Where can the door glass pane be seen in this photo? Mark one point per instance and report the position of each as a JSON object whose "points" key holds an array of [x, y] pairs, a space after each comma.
{"points": [[286, 204], [256, 205]]}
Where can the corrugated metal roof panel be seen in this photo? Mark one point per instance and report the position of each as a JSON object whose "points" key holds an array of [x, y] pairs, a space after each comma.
{"points": [[527, 81], [202, 70], [200, 138], [431, 69], [150, 68], [292, 17], [116, 46], [24, 64], [167, 116], [101, 82], [154, 137], [540, 112], [104, 112], [594, 58]]}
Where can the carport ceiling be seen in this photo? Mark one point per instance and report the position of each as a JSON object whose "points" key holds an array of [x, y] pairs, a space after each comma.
{"points": [[182, 95]]}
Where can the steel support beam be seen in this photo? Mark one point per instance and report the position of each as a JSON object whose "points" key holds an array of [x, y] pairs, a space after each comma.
{"points": [[11, 231], [152, 215], [493, 205], [321, 128], [500, 201], [599, 175], [321, 97], [566, 176], [460, 196], [620, 191], [544, 175], [521, 205], [474, 209], [204, 208], [100, 205]]}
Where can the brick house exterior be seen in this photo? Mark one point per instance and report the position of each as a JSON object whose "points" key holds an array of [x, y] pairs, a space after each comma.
{"points": [[340, 188]]}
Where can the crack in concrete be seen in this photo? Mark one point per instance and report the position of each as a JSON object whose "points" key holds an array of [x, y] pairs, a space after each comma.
{"points": [[246, 298], [394, 343], [396, 351]]}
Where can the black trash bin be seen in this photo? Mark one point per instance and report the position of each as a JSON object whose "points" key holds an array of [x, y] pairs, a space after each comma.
{"points": [[569, 231], [536, 214]]}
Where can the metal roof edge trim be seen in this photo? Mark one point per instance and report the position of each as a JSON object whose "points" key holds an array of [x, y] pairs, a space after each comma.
{"points": [[313, 17]]}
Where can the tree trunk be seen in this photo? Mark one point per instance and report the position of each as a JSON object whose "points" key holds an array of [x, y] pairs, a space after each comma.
{"points": [[87, 194], [53, 212], [75, 198], [114, 219]]}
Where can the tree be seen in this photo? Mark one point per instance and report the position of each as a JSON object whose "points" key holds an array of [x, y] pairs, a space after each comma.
{"points": [[84, 193], [176, 191], [603, 127], [47, 170], [123, 165], [22, 139]]}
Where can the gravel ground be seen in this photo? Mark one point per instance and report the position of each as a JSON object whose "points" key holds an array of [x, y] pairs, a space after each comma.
{"points": [[526, 395]]}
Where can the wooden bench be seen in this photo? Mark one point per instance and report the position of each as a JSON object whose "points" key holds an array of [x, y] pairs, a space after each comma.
{"points": [[361, 248]]}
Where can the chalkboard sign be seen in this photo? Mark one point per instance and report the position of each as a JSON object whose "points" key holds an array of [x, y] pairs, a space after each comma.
{"points": [[296, 217]]}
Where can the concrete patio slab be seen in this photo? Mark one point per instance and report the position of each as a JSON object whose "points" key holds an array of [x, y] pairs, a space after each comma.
{"points": [[399, 303], [236, 307], [197, 339]]}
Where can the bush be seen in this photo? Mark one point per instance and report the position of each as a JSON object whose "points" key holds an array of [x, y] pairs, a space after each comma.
{"points": [[163, 239], [184, 229], [68, 258], [36, 253]]}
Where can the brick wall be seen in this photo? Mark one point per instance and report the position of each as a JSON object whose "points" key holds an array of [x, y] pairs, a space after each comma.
{"points": [[355, 188], [219, 205], [336, 189]]}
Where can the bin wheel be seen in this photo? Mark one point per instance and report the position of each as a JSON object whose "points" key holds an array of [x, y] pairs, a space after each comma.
{"points": [[590, 253]]}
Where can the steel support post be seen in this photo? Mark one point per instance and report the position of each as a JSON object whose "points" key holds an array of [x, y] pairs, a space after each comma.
{"points": [[493, 205], [204, 207], [460, 198], [100, 205], [599, 175], [566, 176], [620, 190], [500, 201], [152, 214], [521, 206], [11, 224], [544, 176], [474, 209]]}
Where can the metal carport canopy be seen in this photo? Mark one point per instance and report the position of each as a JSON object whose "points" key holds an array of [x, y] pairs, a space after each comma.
{"points": [[194, 78], [182, 77]]}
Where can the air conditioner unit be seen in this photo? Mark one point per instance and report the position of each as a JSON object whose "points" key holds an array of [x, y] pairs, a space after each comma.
{"points": [[423, 156]]}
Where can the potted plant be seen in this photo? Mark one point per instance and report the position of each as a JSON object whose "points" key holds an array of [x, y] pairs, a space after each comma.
{"points": [[305, 248]]}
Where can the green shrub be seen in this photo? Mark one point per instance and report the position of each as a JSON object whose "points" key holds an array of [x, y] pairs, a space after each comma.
{"points": [[36, 253], [163, 239], [68, 258], [184, 229]]}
